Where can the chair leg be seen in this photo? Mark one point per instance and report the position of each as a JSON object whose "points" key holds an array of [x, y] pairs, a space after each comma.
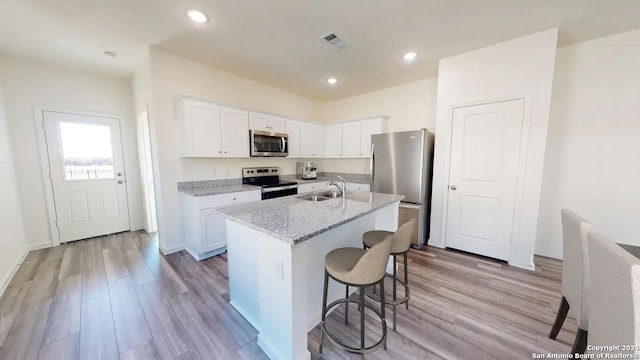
{"points": [[324, 308], [362, 319], [346, 307], [406, 277], [562, 314], [395, 266], [580, 344], [383, 306]]}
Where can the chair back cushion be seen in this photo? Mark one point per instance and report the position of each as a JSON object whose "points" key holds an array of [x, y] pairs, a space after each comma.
{"points": [[402, 237], [615, 293], [372, 266], [575, 265]]}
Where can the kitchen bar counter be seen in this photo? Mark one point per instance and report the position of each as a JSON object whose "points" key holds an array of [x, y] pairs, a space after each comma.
{"points": [[276, 250], [214, 187], [226, 186], [322, 177], [294, 220]]}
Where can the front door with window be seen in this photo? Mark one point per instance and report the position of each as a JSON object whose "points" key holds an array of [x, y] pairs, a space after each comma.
{"points": [[87, 174]]}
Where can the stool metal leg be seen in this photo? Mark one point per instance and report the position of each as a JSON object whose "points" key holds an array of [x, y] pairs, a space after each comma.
{"points": [[383, 306], [324, 307], [362, 321], [346, 309], [406, 276], [395, 266]]}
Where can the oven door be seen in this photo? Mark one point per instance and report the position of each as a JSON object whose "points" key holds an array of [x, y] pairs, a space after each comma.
{"points": [[263, 143], [274, 192]]}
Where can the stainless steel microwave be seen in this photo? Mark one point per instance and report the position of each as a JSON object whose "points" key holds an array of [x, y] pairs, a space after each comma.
{"points": [[264, 143]]}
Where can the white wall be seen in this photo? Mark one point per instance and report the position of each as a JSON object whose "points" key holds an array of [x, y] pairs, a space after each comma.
{"points": [[172, 75], [28, 83], [592, 164], [410, 106], [516, 68], [13, 245]]}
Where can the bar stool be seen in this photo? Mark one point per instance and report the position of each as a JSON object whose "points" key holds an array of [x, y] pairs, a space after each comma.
{"points": [[400, 246], [361, 268]]}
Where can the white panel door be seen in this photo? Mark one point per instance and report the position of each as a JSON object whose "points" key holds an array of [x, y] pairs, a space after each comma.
{"points": [[293, 130], [235, 133], [87, 175], [351, 139], [485, 147], [333, 141]]}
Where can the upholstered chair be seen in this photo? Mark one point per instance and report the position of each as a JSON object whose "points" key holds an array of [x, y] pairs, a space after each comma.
{"points": [[575, 277], [614, 297]]}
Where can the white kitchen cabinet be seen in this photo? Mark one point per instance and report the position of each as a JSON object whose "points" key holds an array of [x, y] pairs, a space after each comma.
{"points": [[202, 228], [311, 140], [264, 122], [358, 187], [235, 132], [292, 128], [311, 186], [200, 128], [210, 130], [351, 139], [333, 141], [356, 137]]}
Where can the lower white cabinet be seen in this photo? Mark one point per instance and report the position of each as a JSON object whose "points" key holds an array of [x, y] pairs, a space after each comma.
{"points": [[203, 230], [310, 187], [358, 187]]}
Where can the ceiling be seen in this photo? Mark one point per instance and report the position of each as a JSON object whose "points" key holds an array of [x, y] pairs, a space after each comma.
{"points": [[278, 42]]}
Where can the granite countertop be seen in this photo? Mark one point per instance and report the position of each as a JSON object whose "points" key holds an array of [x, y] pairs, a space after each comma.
{"points": [[214, 187], [294, 220], [350, 178], [217, 187]]}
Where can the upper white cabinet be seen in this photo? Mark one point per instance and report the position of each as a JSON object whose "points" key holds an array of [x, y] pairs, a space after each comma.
{"points": [[356, 137], [311, 140], [264, 122], [200, 128], [333, 143], [210, 130], [235, 132], [292, 128]]}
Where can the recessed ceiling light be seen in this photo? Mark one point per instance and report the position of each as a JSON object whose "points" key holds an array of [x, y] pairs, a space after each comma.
{"points": [[410, 56], [332, 81], [110, 54], [197, 16]]}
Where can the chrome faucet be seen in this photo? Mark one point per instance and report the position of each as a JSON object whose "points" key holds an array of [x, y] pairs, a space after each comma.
{"points": [[341, 187]]}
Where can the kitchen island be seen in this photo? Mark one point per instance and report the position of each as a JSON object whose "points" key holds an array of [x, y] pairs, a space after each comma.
{"points": [[276, 250]]}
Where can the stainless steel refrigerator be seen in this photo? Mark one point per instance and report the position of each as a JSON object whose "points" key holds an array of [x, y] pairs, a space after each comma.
{"points": [[402, 163]]}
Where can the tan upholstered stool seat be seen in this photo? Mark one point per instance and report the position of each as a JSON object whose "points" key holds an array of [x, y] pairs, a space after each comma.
{"points": [[340, 262], [370, 238]]}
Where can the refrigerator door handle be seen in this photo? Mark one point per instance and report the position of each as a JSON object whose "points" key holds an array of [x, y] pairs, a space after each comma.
{"points": [[371, 167]]}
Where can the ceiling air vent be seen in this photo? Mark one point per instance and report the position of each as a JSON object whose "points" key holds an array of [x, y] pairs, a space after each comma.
{"points": [[335, 41]]}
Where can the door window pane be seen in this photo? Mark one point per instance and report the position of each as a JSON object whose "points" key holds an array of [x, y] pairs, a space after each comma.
{"points": [[86, 151]]}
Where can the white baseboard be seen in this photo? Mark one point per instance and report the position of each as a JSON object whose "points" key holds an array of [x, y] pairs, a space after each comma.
{"points": [[137, 227], [171, 250], [7, 279], [40, 245]]}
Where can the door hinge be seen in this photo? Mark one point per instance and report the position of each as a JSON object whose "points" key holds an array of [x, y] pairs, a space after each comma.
{"points": [[56, 222]]}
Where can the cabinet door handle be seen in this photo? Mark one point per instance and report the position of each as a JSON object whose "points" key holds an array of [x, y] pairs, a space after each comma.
{"points": [[220, 152]]}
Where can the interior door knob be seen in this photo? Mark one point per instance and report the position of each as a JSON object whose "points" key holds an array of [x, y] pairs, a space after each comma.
{"points": [[453, 187]]}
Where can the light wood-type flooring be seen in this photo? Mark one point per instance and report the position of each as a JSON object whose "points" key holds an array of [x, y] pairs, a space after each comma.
{"points": [[117, 297]]}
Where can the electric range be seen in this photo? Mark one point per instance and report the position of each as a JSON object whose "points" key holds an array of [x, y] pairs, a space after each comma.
{"points": [[268, 178]]}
